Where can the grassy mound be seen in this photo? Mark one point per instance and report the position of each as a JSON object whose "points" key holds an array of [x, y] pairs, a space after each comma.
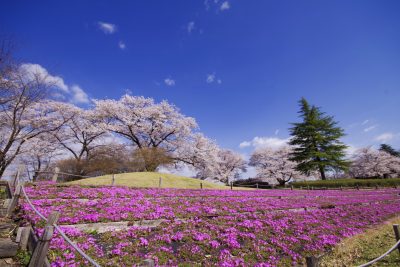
{"points": [[365, 247], [150, 179]]}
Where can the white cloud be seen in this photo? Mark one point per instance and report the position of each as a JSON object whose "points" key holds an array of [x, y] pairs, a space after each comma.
{"points": [[206, 4], [364, 122], [190, 26], [368, 129], [32, 71], [107, 28], [350, 150], [169, 82], [276, 131], [78, 95], [73, 94], [225, 6], [271, 142], [121, 45], [244, 144], [385, 137], [210, 78]]}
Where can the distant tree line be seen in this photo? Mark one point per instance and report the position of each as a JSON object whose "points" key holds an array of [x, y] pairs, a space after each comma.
{"points": [[315, 150], [133, 133]]}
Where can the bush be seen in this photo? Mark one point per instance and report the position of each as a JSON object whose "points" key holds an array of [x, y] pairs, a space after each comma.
{"points": [[252, 182], [390, 182]]}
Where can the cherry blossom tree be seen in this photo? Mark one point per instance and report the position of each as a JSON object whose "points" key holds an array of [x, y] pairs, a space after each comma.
{"points": [[368, 162], [223, 165], [146, 124], [197, 151], [39, 153], [22, 122], [274, 164], [25, 113], [80, 135]]}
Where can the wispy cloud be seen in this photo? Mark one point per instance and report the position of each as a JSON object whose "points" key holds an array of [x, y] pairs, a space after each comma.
{"points": [[370, 128], [217, 5], [364, 122], [265, 141], [107, 28], [121, 45], [245, 144], [385, 137], [35, 71], [225, 6], [78, 95], [276, 131], [211, 78], [169, 82], [190, 26], [62, 91]]}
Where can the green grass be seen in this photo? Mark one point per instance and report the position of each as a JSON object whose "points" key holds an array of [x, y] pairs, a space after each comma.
{"points": [[150, 179], [365, 247], [390, 182]]}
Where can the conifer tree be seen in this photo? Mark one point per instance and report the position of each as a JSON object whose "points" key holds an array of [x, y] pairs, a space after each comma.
{"points": [[316, 142], [389, 149]]}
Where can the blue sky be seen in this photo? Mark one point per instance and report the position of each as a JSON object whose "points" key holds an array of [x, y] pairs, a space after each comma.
{"points": [[239, 67]]}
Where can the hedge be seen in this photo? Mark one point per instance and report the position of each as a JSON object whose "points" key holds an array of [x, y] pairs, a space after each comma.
{"points": [[389, 182]]}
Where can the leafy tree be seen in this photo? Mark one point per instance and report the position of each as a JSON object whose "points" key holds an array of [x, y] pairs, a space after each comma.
{"points": [[316, 142], [370, 163], [274, 164], [389, 149]]}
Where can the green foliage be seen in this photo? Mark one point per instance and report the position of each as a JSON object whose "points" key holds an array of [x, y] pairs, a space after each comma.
{"points": [[389, 149], [316, 142], [390, 182], [23, 257], [364, 247]]}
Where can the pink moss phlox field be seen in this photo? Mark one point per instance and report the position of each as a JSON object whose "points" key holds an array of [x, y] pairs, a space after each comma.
{"points": [[207, 227]]}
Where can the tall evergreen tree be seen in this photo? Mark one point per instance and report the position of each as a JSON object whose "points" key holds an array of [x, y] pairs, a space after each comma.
{"points": [[316, 142], [389, 149]]}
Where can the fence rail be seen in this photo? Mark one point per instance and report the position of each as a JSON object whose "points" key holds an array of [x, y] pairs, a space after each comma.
{"points": [[314, 261], [39, 255]]}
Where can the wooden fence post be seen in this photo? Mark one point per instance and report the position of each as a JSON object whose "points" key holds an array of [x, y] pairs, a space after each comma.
{"points": [[40, 252], [312, 261], [55, 175], [113, 179], [14, 200], [159, 182], [397, 234], [231, 185], [23, 237], [201, 185], [147, 263]]}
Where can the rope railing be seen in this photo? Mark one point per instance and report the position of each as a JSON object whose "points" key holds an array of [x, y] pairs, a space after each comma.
{"points": [[64, 173], [393, 248], [59, 230]]}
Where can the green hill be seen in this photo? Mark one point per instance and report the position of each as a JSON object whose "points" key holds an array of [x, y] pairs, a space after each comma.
{"points": [[150, 179]]}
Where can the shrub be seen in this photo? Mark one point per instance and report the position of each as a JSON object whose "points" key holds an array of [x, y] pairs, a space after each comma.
{"points": [[390, 182]]}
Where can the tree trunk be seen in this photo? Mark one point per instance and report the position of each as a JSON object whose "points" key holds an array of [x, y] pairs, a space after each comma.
{"points": [[1, 171], [322, 171]]}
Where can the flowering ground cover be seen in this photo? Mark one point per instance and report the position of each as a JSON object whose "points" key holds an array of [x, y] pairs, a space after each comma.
{"points": [[208, 227]]}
